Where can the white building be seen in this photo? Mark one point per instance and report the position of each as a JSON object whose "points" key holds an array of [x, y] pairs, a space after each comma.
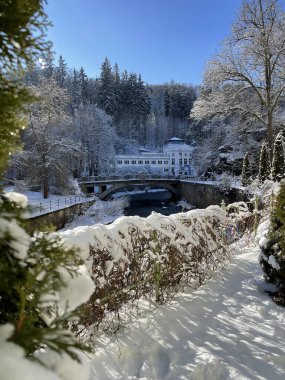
{"points": [[176, 159]]}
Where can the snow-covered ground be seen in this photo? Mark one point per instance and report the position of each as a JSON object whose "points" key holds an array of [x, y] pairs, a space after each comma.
{"points": [[227, 329]]}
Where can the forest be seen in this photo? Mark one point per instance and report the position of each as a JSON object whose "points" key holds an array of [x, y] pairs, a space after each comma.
{"points": [[81, 122]]}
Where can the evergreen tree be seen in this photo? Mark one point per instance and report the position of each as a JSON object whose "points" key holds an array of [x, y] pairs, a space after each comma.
{"points": [[75, 91], [48, 66], [83, 83], [278, 165], [264, 163], [61, 72], [274, 269], [246, 171], [18, 45], [33, 269], [106, 97]]}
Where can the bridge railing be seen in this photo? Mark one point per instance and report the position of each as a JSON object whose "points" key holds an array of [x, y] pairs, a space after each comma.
{"points": [[127, 177]]}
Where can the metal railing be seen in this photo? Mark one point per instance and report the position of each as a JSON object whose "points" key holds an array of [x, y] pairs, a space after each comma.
{"points": [[127, 177], [48, 205]]}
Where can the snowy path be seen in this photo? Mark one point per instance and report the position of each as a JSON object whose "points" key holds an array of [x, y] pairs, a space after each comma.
{"points": [[227, 329]]}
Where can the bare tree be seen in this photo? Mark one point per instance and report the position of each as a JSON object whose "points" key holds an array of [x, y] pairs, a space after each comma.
{"points": [[248, 75], [49, 144]]}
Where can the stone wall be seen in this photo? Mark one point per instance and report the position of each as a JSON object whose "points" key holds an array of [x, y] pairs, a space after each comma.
{"points": [[58, 218], [203, 195]]}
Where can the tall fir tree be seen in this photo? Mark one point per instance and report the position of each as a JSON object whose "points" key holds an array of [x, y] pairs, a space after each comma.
{"points": [[246, 171], [48, 66], [264, 163], [278, 165], [61, 72], [106, 97], [75, 91], [83, 83]]}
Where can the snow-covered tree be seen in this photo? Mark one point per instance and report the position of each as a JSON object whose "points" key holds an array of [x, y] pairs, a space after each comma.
{"points": [[278, 164], [246, 171], [61, 72], [247, 76], [273, 252], [264, 163], [107, 99], [49, 145], [94, 130]]}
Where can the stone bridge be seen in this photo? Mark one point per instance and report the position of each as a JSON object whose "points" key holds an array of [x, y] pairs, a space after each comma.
{"points": [[112, 184], [198, 192]]}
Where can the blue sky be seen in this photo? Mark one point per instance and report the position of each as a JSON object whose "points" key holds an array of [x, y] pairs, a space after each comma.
{"points": [[161, 39]]}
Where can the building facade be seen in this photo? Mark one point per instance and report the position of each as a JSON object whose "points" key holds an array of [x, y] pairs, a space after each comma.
{"points": [[176, 159]]}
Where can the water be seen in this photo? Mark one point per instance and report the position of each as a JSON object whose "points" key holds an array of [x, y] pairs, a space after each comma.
{"points": [[144, 203]]}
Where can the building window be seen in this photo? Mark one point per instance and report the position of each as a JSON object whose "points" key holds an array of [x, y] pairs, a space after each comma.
{"points": [[159, 162], [173, 154], [133, 162], [185, 154], [166, 162], [119, 162], [153, 162], [140, 162], [180, 161], [185, 161], [126, 162], [147, 162], [173, 161], [189, 161], [165, 170]]}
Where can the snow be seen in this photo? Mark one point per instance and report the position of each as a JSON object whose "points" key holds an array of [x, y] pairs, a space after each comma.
{"points": [[64, 366], [20, 240], [78, 289], [226, 329], [20, 199], [14, 364]]}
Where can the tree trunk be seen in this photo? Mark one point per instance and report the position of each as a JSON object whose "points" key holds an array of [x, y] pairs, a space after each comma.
{"points": [[45, 186], [270, 135]]}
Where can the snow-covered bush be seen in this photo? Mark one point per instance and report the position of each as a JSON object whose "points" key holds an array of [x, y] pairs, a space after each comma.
{"points": [[185, 205], [240, 219], [225, 183], [149, 257], [70, 187]]}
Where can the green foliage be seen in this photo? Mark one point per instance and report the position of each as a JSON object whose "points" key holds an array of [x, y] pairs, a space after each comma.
{"points": [[246, 171], [12, 99], [30, 267], [22, 38], [29, 279], [278, 164], [264, 163], [275, 246]]}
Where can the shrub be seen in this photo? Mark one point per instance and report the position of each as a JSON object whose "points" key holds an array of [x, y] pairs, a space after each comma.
{"points": [[150, 258], [273, 246]]}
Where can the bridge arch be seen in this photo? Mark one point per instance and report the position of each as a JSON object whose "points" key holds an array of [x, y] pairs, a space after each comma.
{"points": [[116, 187]]}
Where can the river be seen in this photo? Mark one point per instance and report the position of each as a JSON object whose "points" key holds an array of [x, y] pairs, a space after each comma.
{"points": [[142, 204]]}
